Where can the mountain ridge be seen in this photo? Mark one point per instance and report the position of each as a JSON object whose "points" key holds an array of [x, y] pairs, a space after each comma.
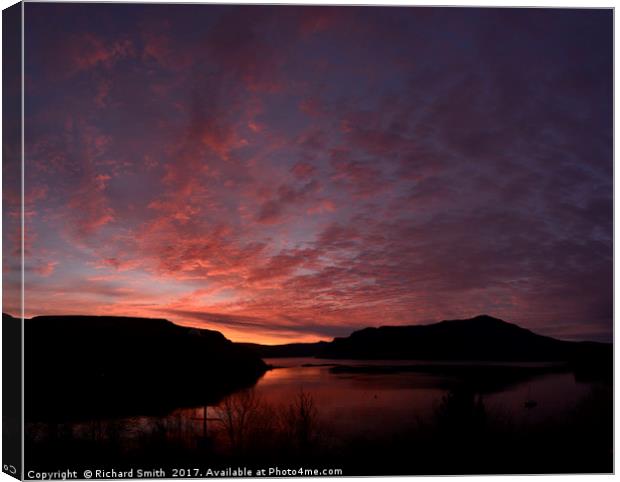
{"points": [[158, 364], [482, 338]]}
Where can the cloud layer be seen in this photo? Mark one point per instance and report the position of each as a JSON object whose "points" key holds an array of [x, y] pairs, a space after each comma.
{"points": [[293, 173]]}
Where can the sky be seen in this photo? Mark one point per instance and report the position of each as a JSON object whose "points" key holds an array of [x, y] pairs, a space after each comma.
{"points": [[287, 174]]}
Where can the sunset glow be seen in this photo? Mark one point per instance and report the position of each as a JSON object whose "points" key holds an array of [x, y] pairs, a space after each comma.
{"points": [[286, 174]]}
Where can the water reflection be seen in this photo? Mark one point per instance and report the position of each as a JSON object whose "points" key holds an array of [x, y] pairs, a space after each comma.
{"points": [[303, 411]]}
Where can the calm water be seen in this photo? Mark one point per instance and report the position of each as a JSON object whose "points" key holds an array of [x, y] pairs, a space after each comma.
{"points": [[348, 404], [380, 403]]}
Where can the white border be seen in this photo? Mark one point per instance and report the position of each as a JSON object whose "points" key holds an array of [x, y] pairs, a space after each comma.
{"points": [[478, 3]]}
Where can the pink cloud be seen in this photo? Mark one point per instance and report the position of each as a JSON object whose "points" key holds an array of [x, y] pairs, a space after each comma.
{"points": [[324, 206], [90, 206], [303, 170], [46, 268]]}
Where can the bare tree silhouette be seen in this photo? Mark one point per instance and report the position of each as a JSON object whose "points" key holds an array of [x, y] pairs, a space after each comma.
{"points": [[301, 420], [238, 415]]}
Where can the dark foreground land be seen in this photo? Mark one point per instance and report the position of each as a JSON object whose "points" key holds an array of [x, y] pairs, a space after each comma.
{"points": [[99, 371], [87, 366]]}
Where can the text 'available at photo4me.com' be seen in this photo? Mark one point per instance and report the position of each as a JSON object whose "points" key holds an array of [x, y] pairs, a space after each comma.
{"points": [[183, 473]]}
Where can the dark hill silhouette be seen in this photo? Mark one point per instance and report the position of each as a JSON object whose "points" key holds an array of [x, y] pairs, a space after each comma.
{"points": [[99, 365], [482, 338]]}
